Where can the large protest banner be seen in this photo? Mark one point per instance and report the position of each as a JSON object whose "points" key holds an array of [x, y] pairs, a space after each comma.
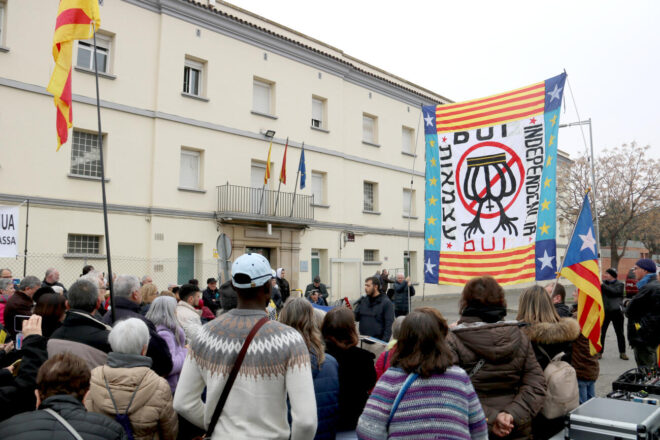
{"points": [[491, 186], [8, 231]]}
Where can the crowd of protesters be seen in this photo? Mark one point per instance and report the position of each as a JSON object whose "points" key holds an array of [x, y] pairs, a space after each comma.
{"points": [[246, 359]]}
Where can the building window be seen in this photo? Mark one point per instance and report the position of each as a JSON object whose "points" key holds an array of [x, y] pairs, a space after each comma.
{"points": [[370, 255], [83, 244], [369, 128], [85, 154], [86, 53], [318, 112], [262, 97], [189, 176], [408, 202], [318, 184], [370, 196], [192, 77], [407, 136]]}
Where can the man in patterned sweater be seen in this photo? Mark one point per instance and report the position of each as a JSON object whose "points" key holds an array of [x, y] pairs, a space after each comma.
{"points": [[276, 365]]}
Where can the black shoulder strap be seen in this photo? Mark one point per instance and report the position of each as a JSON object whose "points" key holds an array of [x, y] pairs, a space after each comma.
{"points": [[232, 376]]}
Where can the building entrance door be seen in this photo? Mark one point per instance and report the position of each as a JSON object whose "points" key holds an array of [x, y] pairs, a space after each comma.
{"points": [[186, 263], [259, 250]]}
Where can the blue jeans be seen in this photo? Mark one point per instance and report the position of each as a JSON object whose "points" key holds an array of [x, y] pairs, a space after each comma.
{"points": [[587, 390]]}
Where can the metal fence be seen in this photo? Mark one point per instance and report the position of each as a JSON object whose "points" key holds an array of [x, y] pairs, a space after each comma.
{"points": [[163, 271]]}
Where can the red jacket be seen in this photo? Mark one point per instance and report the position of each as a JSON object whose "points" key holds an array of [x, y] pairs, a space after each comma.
{"points": [[383, 362]]}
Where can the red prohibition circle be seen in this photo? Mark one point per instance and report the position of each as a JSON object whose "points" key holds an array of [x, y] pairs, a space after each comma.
{"points": [[458, 175]]}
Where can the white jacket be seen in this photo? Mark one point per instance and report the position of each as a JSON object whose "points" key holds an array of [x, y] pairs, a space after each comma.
{"points": [[189, 318]]}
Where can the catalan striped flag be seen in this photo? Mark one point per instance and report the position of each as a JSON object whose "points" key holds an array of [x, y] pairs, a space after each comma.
{"points": [[267, 173], [581, 268], [283, 169], [496, 109], [491, 186], [73, 23]]}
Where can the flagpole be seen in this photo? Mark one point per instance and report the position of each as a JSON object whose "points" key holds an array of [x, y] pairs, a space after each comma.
{"points": [[27, 221], [412, 177], [295, 188], [593, 184], [563, 260], [105, 204], [277, 199]]}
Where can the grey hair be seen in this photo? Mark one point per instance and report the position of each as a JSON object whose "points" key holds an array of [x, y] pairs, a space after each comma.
{"points": [[5, 282], [144, 278], [124, 285], [396, 327], [83, 294], [28, 282], [129, 336], [163, 312], [93, 276], [49, 271]]}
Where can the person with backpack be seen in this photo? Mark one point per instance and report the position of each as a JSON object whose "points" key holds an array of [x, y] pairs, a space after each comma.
{"points": [[127, 390], [552, 338], [499, 360]]}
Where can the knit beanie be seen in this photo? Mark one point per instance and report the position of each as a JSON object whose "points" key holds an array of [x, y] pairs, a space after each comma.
{"points": [[646, 264], [612, 271]]}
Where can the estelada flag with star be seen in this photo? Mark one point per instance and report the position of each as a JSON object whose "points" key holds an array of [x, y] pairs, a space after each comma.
{"points": [[580, 267], [491, 186], [75, 19]]}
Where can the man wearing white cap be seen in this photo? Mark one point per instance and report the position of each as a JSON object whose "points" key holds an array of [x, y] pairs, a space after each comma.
{"points": [[276, 365]]}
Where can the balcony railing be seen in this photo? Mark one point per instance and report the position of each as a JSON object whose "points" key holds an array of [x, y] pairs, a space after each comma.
{"points": [[247, 203]]}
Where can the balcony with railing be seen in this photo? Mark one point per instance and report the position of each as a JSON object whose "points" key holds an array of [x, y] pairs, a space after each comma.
{"points": [[257, 204]]}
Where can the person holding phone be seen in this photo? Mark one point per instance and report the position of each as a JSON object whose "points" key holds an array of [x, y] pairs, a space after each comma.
{"points": [[21, 302], [17, 393]]}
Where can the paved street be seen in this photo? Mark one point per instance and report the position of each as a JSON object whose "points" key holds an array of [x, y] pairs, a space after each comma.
{"points": [[610, 365]]}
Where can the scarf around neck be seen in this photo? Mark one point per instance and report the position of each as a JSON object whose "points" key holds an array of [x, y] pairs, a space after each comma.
{"points": [[489, 314], [647, 279]]}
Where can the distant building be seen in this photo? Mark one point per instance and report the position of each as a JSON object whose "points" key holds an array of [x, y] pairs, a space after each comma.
{"points": [[189, 92]]}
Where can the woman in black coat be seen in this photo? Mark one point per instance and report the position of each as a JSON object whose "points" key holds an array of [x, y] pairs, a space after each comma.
{"points": [[357, 375]]}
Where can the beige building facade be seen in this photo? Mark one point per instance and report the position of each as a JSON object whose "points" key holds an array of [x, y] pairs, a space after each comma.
{"points": [[189, 92]]}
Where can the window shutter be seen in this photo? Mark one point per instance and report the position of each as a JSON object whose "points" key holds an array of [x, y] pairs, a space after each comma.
{"points": [[317, 188], [317, 112], [261, 97], [368, 129], [189, 177]]}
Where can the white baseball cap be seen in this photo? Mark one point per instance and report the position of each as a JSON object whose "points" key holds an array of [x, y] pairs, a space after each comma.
{"points": [[253, 270]]}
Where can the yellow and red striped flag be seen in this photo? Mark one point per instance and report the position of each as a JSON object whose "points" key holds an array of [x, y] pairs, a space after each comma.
{"points": [[283, 169], [581, 268], [73, 23], [267, 174]]}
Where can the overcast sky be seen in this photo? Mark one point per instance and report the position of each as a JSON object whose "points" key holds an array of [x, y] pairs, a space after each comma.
{"points": [[469, 49]]}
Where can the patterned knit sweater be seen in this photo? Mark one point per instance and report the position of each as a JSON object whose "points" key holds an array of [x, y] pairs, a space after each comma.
{"points": [[277, 363], [442, 406]]}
